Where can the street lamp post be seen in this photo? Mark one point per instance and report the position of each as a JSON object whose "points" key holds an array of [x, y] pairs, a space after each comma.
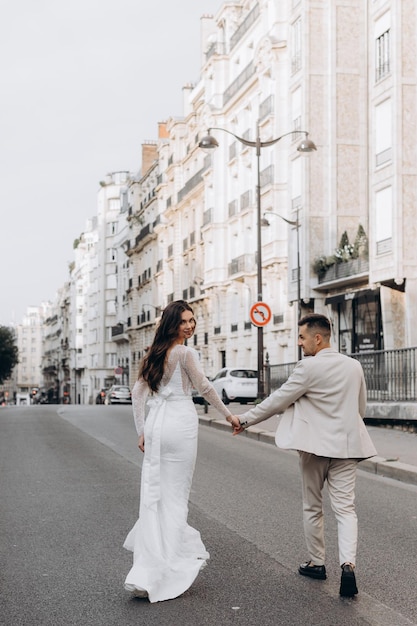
{"points": [[296, 224], [76, 372], [209, 143]]}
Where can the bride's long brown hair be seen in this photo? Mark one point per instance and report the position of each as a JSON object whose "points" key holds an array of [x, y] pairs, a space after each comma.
{"points": [[153, 363]]}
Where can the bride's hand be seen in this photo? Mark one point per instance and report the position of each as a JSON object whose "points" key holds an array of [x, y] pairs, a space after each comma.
{"points": [[141, 443], [234, 422], [238, 429]]}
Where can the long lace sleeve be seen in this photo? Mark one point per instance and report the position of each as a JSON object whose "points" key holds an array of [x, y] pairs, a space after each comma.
{"points": [[140, 393], [200, 381]]}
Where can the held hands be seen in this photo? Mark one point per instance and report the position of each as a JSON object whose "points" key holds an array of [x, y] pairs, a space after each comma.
{"points": [[141, 443], [235, 424]]}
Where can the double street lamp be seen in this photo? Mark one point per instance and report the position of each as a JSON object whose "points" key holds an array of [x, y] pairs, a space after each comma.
{"points": [[209, 143]]}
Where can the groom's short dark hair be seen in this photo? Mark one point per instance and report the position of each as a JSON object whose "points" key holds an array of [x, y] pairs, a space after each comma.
{"points": [[317, 321]]}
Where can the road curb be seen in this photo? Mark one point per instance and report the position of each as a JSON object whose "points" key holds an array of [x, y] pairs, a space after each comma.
{"points": [[388, 468]]}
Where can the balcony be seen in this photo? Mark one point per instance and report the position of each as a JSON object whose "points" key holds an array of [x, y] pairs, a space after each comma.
{"points": [[266, 107], [344, 273], [239, 82], [215, 48], [245, 200], [243, 264], [146, 230], [233, 208], [267, 176], [244, 26], [191, 184], [118, 333], [208, 216]]}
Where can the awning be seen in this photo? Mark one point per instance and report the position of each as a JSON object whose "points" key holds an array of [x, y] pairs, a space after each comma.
{"points": [[363, 294]]}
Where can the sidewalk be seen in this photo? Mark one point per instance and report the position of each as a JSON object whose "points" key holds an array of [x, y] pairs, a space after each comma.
{"points": [[397, 449]]}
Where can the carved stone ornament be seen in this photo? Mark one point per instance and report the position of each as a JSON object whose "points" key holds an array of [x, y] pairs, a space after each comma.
{"points": [[207, 119], [264, 57]]}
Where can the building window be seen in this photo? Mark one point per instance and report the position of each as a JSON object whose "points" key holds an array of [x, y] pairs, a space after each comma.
{"points": [[233, 209], [296, 183], [383, 132], [111, 359], [245, 199], [112, 226], [360, 327], [111, 281], [383, 220], [382, 56], [266, 107], [110, 307], [207, 216], [296, 46], [382, 46], [296, 110], [232, 150], [111, 255]]}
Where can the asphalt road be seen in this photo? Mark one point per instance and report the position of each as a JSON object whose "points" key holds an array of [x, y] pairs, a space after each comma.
{"points": [[69, 495]]}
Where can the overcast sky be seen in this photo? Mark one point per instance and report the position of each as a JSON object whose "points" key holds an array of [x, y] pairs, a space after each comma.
{"points": [[84, 83]]}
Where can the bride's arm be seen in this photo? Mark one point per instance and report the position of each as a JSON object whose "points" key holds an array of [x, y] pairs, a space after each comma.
{"points": [[140, 393], [200, 381]]}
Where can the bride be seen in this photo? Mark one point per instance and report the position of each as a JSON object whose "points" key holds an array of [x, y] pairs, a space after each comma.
{"points": [[168, 553]]}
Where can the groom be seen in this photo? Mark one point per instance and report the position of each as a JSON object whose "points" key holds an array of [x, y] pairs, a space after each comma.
{"points": [[323, 404]]}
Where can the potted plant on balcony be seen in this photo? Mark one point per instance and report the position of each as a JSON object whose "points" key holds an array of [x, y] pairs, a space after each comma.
{"points": [[360, 246], [343, 253]]}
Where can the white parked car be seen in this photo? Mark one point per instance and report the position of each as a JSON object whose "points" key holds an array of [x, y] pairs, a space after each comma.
{"points": [[236, 384], [118, 394]]}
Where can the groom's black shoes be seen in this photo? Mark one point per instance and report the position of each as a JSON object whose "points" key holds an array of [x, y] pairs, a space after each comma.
{"points": [[348, 587], [314, 571]]}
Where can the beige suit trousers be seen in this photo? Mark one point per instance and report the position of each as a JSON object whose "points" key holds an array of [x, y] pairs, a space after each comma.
{"points": [[340, 475]]}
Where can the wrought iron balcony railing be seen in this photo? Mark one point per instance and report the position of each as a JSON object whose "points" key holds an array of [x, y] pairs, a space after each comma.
{"points": [[344, 269]]}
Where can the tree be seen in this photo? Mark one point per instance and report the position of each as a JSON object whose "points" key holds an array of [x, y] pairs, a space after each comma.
{"points": [[8, 353], [360, 246]]}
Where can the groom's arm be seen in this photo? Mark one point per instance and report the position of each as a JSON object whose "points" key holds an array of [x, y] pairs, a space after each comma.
{"points": [[279, 400]]}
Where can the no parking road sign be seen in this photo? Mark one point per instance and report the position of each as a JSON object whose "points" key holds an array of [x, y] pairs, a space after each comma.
{"points": [[260, 314]]}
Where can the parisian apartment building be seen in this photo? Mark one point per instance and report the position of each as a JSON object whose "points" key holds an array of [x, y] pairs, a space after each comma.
{"points": [[333, 230]]}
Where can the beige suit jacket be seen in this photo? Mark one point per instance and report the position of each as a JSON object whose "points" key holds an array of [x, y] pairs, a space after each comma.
{"points": [[323, 404]]}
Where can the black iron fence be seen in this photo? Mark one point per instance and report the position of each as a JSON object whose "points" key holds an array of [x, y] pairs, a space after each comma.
{"points": [[391, 375]]}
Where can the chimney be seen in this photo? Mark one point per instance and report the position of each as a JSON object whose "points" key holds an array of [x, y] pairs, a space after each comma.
{"points": [[162, 130], [149, 156]]}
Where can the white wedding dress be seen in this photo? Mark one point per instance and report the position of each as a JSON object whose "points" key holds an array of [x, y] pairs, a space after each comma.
{"points": [[168, 553]]}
